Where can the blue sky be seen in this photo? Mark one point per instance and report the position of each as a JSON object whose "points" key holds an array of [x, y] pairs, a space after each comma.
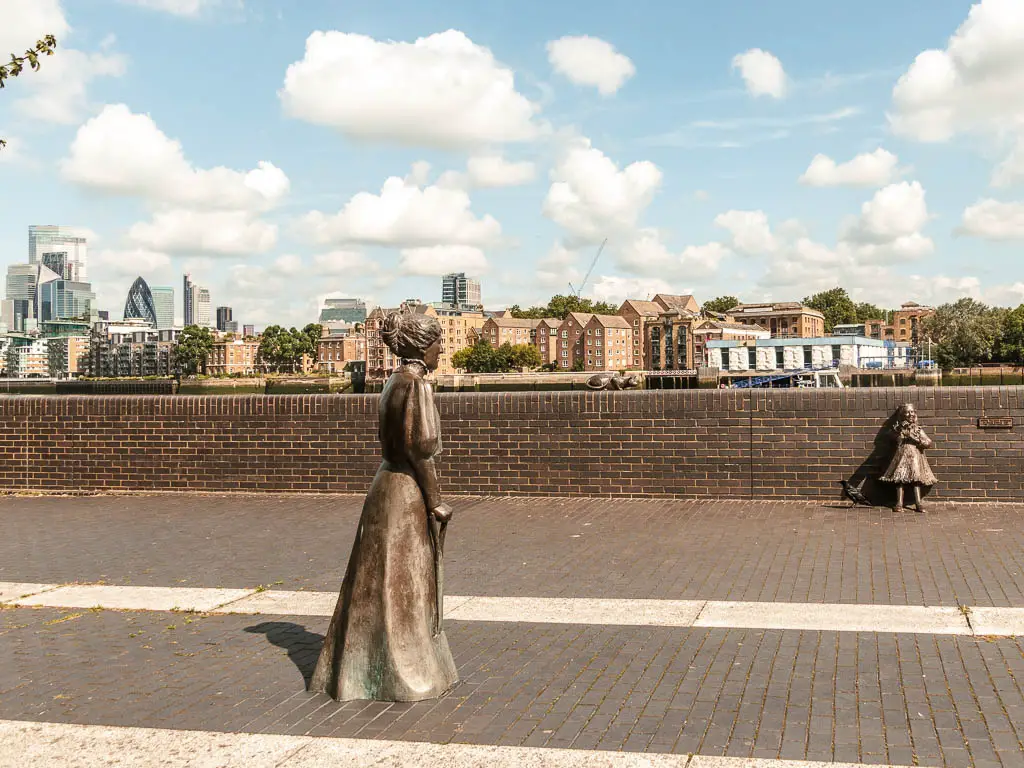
{"points": [[679, 132]]}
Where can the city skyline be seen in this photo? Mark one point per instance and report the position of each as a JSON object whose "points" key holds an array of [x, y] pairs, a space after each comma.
{"points": [[716, 153]]}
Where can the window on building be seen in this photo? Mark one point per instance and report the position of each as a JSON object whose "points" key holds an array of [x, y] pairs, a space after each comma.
{"points": [[808, 357], [836, 354], [751, 358], [598, 331], [565, 334], [780, 357], [565, 353]]}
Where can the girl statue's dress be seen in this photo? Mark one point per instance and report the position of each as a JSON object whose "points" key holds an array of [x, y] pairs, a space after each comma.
{"points": [[909, 467], [381, 643]]}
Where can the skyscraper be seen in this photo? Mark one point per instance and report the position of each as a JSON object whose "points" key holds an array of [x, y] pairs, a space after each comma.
{"points": [[163, 302], [197, 304], [67, 300], [49, 238], [201, 305], [24, 283], [59, 262], [343, 310], [224, 316], [189, 309], [460, 291], [140, 304]]}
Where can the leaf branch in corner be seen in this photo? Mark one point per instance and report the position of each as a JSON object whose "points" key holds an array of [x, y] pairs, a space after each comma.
{"points": [[30, 59]]}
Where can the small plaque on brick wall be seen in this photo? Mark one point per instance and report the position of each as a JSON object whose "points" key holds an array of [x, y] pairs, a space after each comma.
{"points": [[995, 422]]}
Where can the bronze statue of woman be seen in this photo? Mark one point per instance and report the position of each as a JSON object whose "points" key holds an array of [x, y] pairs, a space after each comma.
{"points": [[385, 640]]}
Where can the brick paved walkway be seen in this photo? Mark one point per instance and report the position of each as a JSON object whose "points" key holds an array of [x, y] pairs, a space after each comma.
{"points": [[876, 698], [966, 554]]}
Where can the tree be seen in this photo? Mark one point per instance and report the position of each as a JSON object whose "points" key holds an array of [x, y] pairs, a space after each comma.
{"points": [[866, 311], [278, 349], [16, 66], [1010, 348], [966, 332], [721, 305], [483, 358], [560, 307], [836, 305], [194, 346]]}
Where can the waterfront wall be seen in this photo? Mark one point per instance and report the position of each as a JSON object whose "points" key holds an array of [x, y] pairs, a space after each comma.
{"points": [[762, 444]]}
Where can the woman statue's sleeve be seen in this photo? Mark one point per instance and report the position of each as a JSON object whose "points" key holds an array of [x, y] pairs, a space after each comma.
{"points": [[422, 438]]}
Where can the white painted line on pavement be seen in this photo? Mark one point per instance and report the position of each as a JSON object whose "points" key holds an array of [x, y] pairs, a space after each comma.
{"points": [[12, 590], [998, 621], [134, 598], [42, 745], [835, 617], [571, 610]]}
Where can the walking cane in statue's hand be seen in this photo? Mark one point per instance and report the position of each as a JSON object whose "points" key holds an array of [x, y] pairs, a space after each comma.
{"points": [[437, 520]]}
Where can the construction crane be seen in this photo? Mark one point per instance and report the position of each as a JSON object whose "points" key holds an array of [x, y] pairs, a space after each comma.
{"points": [[577, 291]]}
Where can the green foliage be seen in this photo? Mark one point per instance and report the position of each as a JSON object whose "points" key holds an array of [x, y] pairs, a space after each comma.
{"points": [[194, 345], [866, 311], [578, 365], [721, 305], [1010, 348], [30, 58], [965, 331], [483, 358], [281, 349], [560, 307], [836, 305]]}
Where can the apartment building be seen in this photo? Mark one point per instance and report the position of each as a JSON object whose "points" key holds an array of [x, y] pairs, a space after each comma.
{"points": [[233, 357], [458, 328], [784, 320], [336, 350], [906, 322], [545, 338], [607, 344], [570, 339], [68, 356]]}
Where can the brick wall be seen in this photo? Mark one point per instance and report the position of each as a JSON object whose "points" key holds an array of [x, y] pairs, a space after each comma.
{"points": [[683, 443]]}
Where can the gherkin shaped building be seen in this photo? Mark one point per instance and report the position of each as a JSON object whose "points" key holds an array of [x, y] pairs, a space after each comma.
{"points": [[140, 303]]}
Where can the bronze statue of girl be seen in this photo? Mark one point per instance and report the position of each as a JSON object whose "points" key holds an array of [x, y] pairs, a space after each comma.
{"points": [[909, 467], [385, 640]]}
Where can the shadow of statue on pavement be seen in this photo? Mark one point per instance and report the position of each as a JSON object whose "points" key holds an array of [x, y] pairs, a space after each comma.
{"points": [[302, 645]]}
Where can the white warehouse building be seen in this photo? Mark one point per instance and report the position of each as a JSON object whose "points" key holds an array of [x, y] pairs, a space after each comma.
{"points": [[803, 354]]}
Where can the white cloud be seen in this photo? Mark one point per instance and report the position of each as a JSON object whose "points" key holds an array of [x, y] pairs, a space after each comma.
{"points": [[647, 254], [994, 220], [750, 231], [341, 262], [440, 91], [1011, 170], [438, 260], [58, 92], [896, 211], [496, 171], [762, 72], [404, 215], [128, 262], [615, 289], [124, 153], [226, 233], [592, 199], [586, 60], [870, 169], [976, 83], [187, 8], [26, 21]]}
